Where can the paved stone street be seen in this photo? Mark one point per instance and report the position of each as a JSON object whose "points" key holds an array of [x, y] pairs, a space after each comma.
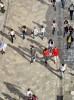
{"points": [[16, 73]]}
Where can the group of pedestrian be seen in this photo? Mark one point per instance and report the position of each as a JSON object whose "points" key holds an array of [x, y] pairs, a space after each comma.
{"points": [[68, 30]]}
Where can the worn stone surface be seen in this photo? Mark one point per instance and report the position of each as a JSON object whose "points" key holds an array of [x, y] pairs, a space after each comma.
{"points": [[16, 73]]}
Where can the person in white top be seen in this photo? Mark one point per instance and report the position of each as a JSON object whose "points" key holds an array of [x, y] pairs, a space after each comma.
{"points": [[12, 34], [35, 32], [42, 31], [71, 10], [2, 7], [2, 47], [63, 67], [29, 93], [53, 25], [50, 45]]}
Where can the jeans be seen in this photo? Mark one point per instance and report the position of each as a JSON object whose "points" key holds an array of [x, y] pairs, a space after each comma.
{"points": [[68, 45], [53, 30]]}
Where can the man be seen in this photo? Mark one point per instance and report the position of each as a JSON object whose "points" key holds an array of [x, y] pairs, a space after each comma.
{"points": [[63, 68], [42, 31], [29, 94], [24, 31], [12, 34], [46, 53], [33, 53], [55, 53], [69, 41], [71, 10], [54, 4]]}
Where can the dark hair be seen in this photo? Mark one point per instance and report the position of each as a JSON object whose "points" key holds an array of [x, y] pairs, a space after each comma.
{"points": [[62, 64], [53, 21]]}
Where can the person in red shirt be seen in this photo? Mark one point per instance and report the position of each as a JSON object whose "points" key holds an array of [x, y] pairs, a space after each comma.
{"points": [[55, 53], [46, 53]]}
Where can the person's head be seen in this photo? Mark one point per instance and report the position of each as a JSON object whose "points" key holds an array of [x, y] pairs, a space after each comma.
{"points": [[62, 64], [34, 95], [11, 29], [28, 89], [24, 26], [72, 4], [66, 21], [53, 21], [42, 26], [45, 49]]}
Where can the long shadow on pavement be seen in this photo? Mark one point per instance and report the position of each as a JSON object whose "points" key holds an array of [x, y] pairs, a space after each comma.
{"points": [[12, 88], [1, 98], [36, 43], [5, 35], [54, 71], [8, 97], [23, 54], [43, 2]]}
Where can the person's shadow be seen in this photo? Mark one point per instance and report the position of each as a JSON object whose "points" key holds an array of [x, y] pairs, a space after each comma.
{"points": [[13, 89], [8, 97], [1, 98], [22, 53]]}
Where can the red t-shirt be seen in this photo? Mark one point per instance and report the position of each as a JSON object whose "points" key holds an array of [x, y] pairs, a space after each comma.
{"points": [[46, 53], [55, 52]]}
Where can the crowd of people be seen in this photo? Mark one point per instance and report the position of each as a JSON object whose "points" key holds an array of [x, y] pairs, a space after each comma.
{"points": [[51, 49]]}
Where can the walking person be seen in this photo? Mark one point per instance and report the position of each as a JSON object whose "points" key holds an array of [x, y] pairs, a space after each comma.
{"points": [[63, 69], [2, 7], [29, 94], [24, 31], [53, 25], [54, 4], [46, 53], [50, 45], [71, 10], [66, 26], [33, 53], [12, 34], [35, 32], [63, 3], [69, 41], [42, 30], [55, 53]]}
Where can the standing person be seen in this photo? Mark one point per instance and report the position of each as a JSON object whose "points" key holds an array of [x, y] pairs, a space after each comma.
{"points": [[69, 41], [71, 10], [55, 53], [24, 31], [46, 53], [33, 53], [29, 94], [53, 25], [50, 45], [2, 7], [66, 26], [35, 32], [54, 4], [42, 31], [12, 34]]}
